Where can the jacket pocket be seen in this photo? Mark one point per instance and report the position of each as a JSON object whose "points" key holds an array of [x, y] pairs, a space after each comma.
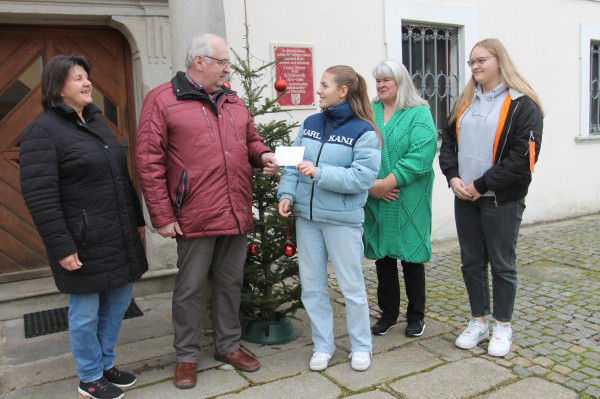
{"points": [[84, 228], [181, 190]]}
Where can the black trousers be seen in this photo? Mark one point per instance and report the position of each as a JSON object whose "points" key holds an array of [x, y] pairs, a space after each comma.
{"points": [[388, 289]]}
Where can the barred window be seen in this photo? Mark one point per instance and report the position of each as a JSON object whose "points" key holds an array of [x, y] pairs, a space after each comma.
{"points": [[430, 53], [595, 88]]}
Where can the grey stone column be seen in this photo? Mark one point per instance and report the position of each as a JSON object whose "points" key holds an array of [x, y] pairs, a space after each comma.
{"points": [[188, 19]]}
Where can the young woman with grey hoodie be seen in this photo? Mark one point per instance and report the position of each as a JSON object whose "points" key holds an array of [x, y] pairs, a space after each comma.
{"points": [[488, 152]]}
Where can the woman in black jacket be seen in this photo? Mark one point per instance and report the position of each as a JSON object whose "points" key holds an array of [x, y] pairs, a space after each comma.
{"points": [[76, 185], [488, 152]]}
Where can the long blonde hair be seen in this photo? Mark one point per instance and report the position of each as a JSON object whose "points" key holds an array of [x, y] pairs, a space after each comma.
{"points": [[358, 98], [508, 75]]}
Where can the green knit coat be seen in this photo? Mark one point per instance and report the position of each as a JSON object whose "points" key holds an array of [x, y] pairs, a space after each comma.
{"points": [[401, 229]]}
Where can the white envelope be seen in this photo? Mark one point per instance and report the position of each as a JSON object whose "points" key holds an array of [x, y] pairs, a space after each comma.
{"points": [[289, 156]]}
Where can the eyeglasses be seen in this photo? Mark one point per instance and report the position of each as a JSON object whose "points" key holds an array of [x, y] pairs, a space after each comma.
{"points": [[222, 62], [479, 61]]}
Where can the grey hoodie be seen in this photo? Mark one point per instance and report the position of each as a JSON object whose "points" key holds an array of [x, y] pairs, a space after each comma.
{"points": [[477, 133]]}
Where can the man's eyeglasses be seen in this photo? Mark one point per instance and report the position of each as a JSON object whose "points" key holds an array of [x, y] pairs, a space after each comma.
{"points": [[222, 62], [479, 61]]}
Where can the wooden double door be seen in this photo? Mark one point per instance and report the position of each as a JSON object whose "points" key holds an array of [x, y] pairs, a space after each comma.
{"points": [[24, 50]]}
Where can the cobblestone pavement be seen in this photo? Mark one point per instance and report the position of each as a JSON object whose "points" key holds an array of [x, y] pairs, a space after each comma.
{"points": [[555, 354], [556, 322]]}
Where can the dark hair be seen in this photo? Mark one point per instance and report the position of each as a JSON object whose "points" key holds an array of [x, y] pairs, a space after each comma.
{"points": [[358, 99], [56, 73]]}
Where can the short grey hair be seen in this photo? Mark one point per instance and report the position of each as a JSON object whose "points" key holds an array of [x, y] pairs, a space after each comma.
{"points": [[407, 96], [201, 45]]}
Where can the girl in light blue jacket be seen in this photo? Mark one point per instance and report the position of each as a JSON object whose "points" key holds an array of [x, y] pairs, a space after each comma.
{"points": [[328, 190]]}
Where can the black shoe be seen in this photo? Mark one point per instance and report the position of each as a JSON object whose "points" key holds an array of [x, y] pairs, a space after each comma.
{"points": [[100, 389], [415, 328], [122, 379], [383, 326]]}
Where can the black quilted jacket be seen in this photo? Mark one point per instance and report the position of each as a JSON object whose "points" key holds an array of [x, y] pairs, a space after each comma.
{"points": [[76, 185]]}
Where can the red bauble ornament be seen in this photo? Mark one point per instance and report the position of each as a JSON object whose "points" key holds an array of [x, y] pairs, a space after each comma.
{"points": [[280, 85], [289, 249], [252, 249], [226, 84]]}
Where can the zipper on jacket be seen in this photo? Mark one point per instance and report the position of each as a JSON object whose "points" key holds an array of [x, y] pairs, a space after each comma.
{"points": [[312, 190], [507, 131], [504, 144], [209, 124], [84, 227], [232, 125], [181, 191]]}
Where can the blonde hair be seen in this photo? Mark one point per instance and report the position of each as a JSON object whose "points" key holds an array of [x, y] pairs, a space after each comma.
{"points": [[358, 98], [508, 75], [406, 96]]}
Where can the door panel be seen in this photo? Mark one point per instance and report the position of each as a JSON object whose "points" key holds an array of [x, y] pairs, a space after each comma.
{"points": [[23, 52]]}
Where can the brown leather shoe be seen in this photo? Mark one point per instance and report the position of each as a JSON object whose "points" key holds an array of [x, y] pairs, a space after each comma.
{"points": [[185, 375], [240, 360]]}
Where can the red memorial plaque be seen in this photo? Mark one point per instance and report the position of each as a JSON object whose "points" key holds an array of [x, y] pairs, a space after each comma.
{"points": [[297, 71]]}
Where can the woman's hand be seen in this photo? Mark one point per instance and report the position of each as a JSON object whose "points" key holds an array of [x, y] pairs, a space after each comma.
{"points": [[380, 191], [142, 232], [459, 189], [473, 191], [284, 206], [71, 262], [385, 189], [307, 169]]}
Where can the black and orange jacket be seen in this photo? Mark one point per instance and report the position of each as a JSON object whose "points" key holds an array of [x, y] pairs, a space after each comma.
{"points": [[521, 122]]}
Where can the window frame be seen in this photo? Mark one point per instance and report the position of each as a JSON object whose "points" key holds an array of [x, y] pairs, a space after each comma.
{"points": [[465, 18], [589, 33]]}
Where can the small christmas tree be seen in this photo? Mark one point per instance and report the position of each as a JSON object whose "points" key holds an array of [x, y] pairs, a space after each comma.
{"points": [[271, 278]]}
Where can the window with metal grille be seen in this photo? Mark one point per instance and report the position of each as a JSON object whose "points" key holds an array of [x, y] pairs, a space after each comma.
{"points": [[595, 88], [430, 53]]}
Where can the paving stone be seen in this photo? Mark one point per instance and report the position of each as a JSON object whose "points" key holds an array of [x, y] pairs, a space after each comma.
{"points": [[594, 392], [288, 363], [377, 394], [521, 371], [459, 379], [210, 383], [522, 362], [445, 350], [576, 385], [384, 366], [577, 376], [544, 361], [532, 387], [305, 385], [558, 378], [537, 369]]}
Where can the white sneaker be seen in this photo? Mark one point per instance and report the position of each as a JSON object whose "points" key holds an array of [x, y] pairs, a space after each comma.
{"points": [[501, 340], [319, 361], [361, 360], [473, 334]]}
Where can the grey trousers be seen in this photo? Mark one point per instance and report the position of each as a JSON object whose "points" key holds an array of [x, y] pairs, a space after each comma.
{"points": [[225, 256], [487, 234]]}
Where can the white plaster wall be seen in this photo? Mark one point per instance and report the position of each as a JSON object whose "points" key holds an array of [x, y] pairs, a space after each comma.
{"points": [[542, 36]]}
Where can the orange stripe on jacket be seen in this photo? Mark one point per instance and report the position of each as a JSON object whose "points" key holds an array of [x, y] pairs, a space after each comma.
{"points": [[501, 121]]}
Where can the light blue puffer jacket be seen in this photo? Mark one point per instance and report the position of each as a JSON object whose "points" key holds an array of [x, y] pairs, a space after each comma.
{"points": [[347, 154]]}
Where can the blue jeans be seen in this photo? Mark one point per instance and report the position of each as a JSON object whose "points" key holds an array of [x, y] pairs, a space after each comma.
{"points": [[343, 244], [487, 233], [94, 323]]}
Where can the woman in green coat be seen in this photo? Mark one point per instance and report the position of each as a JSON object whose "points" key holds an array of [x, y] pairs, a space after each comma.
{"points": [[398, 212]]}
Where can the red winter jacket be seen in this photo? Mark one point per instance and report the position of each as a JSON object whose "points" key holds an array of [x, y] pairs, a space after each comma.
{"points": [[194, 160]]}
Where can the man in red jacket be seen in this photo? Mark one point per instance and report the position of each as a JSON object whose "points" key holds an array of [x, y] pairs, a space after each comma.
{"points": [[196, 147]]}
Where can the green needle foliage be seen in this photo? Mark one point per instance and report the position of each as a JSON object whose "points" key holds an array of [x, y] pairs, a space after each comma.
{"points": [[271, 279]]}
